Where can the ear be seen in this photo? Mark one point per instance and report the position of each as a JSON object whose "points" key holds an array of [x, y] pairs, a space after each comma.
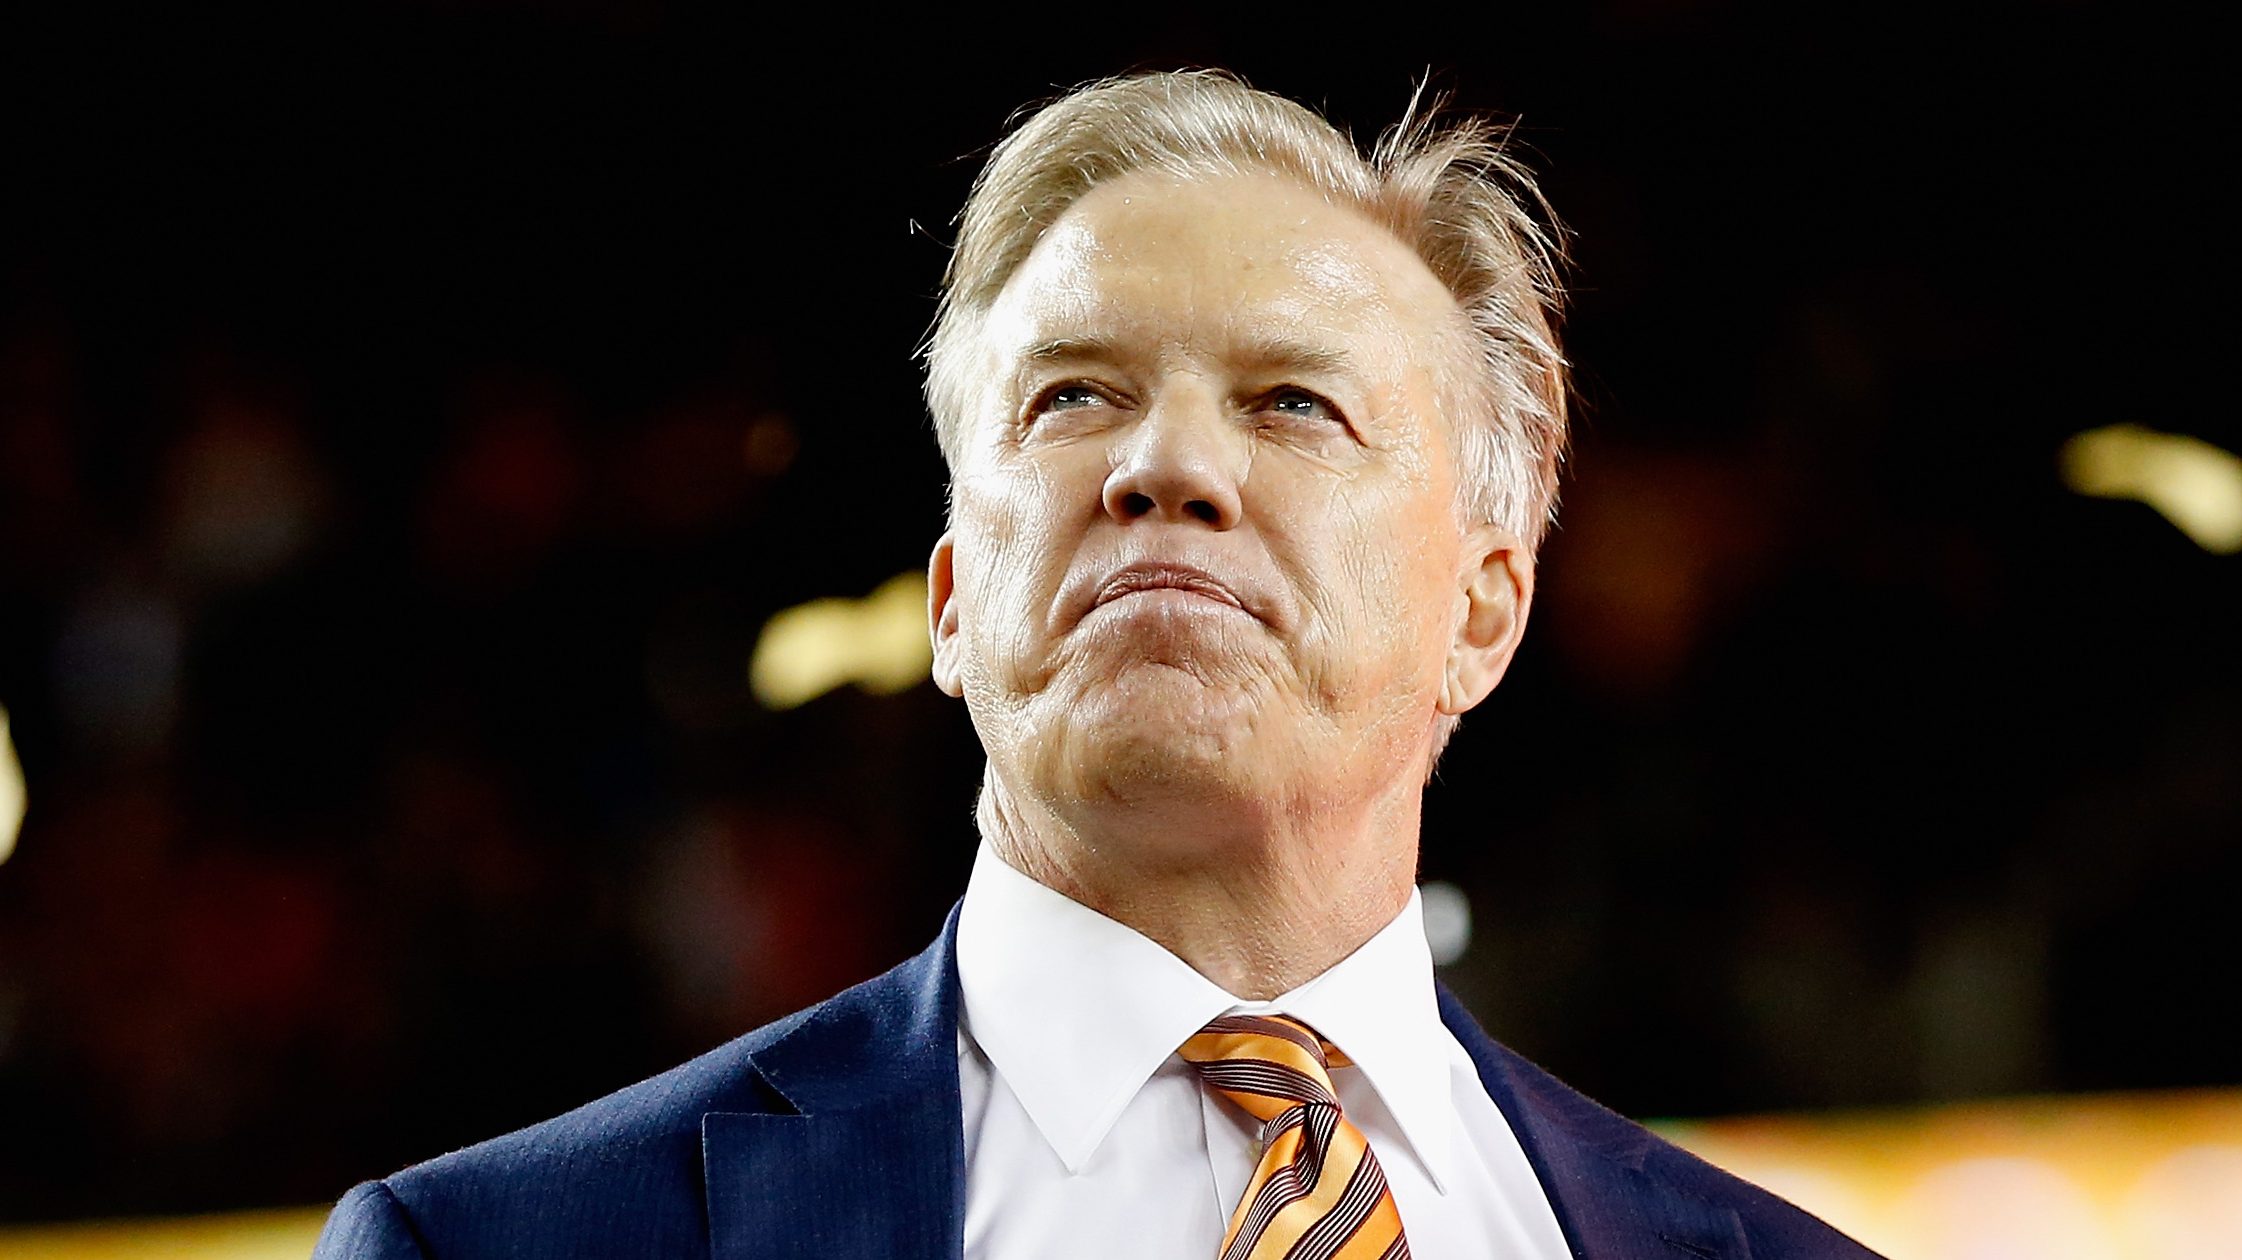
{"points": [[942, 614], [1497, 588]]}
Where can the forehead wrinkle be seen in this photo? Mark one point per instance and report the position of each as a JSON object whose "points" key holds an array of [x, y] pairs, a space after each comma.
{"points": [[1249, 350], [1082, 244], [1091, 292], [1276, 332]]}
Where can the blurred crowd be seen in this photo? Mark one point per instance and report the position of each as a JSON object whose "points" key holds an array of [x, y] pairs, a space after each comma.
{"points": [[344, 785]]}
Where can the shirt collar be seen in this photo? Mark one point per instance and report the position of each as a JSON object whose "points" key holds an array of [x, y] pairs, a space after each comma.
{"points": [[1076, 1011]]}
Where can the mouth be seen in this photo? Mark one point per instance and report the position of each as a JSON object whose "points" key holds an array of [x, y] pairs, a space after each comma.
{"points": [[1162, 576]]}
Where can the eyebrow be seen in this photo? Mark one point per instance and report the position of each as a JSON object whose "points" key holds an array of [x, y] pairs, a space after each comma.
{"points": [[1284, 354], [1068, 348], [1273, 354]]}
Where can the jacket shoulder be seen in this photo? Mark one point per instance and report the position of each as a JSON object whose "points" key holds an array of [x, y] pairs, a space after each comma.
{"points": [[1612, 1178], [623, 1174], [367, 1225], [617, 1176], [1770, 1224]]}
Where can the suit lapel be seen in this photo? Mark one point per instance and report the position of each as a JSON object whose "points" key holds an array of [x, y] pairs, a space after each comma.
{"points": [[861, 1149], [1594, 1165]]}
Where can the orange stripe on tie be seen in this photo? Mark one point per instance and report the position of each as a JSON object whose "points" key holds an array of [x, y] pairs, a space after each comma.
{"points": [[1318, 1193]]}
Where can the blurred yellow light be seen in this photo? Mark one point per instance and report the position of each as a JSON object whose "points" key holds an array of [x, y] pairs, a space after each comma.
{"points": [[878, 642], [270, 1235], [2002, 1205], [2112, 1177], [11, 790], [2190, 1204], [2195, 485]]}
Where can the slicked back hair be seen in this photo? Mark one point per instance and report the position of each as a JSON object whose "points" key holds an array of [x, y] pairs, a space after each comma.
{"points": [[1448, 189]]}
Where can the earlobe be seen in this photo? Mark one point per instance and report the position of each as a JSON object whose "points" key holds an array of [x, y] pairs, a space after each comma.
{"points": [[1497, 590], [942, 614]]}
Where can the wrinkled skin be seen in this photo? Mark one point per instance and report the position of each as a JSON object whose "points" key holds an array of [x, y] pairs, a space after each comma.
{"points": [[1233, 386]]}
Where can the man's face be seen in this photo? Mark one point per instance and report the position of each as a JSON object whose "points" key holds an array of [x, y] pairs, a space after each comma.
{"points": [[1204, 536]]}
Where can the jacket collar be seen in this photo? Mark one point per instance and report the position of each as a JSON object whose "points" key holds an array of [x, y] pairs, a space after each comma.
{"points": [[1075, 1054], [1604, 1174], [860, 1149]]}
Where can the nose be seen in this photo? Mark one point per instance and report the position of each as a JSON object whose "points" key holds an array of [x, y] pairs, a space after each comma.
{"points": [[1183, 460]]}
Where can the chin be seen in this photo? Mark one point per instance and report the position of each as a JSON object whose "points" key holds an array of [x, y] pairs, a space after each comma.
{"points": [[1161, 734]]}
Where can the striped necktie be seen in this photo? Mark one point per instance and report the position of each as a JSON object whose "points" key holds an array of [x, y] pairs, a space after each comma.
{"points": [[1318, 1193]]}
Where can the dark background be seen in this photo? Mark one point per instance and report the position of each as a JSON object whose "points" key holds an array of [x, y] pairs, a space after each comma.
{"points": [[409, 416]]}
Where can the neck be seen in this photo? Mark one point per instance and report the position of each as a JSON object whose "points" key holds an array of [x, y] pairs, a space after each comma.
{"points": [[1259, 907]]}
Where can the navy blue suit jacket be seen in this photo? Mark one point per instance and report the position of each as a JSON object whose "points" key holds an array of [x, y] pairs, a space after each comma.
{"points": [[836, 1133]]}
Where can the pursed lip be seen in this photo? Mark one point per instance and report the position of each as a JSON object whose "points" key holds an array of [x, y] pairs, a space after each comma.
{"points": [[1165, 575]]}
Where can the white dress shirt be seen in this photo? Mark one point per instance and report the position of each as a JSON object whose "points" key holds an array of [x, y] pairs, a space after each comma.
{"points": [[1086, 1137]]}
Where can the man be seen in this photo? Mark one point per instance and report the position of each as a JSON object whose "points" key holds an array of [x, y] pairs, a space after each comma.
{"points": [[1252, 441]]}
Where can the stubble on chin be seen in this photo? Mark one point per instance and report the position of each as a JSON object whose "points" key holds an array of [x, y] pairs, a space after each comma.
{"points": [[1156, 735], [1156, 708]]}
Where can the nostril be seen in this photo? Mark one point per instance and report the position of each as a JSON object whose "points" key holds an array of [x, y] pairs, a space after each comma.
{"points": [[1134, 504], [1204, 512]]}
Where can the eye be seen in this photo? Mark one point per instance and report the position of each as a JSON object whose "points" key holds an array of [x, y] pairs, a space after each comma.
{"points": [[1071, 398], [1296, 403], [1067, 409]]}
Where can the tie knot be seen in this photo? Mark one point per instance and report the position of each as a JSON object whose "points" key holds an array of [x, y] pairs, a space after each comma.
{"points": [[1267, 1064]]}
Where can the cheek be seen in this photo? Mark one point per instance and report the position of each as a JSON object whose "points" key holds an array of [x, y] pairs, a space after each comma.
{"points": [[1010, 560], [1374, 571]]}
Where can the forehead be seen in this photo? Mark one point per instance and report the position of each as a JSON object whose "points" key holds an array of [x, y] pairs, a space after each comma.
{"points": [[1217, 264]]}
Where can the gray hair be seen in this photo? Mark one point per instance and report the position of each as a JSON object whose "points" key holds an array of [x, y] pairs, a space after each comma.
{"points": [[1451, 191]]}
